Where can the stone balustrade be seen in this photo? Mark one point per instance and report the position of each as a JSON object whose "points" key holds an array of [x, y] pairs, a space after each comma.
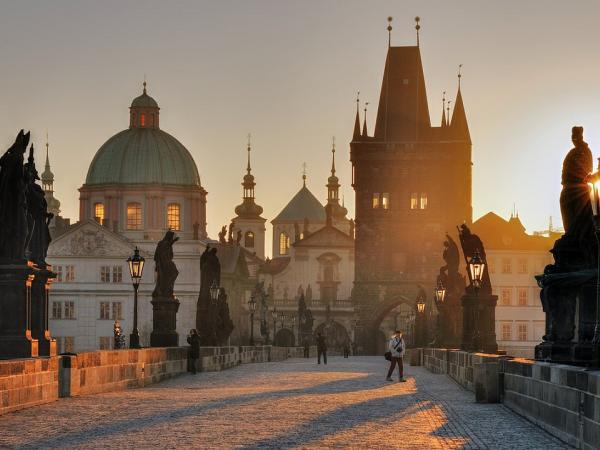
{"points": [[564, 400]]}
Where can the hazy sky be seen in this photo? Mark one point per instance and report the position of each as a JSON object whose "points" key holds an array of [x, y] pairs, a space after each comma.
{"points": [[288, 72]]}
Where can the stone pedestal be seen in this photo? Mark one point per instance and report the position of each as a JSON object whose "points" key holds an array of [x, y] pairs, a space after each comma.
{"points": [[39, 312], [449, 325], [479, 322], [16, 340], [164, 322]]}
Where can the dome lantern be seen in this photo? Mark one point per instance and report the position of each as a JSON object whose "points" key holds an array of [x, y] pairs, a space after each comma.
{"points": [[144, 111]]}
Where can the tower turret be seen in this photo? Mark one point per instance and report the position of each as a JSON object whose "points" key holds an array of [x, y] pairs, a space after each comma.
{"points": [[48, 185]]}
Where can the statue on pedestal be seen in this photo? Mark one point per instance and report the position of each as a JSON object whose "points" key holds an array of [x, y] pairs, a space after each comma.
{"points": [[166, 270]]}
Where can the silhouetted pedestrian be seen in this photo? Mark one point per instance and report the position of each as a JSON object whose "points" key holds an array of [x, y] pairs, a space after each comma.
{"points": [[396, 348], [321, 349], [194, 351], [306, 349]]}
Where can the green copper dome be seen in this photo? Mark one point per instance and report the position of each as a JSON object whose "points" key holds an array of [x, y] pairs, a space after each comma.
{"points": [[144, 101], [143, 156]]}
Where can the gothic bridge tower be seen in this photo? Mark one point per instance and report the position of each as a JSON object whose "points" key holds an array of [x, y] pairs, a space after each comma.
{"points": [[412, 184]]}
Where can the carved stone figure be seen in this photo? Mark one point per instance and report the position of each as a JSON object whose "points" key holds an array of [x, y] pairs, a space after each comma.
{"points": [[166, 270], [305, 318], [38, 217], [13, 204], [224, 324], [230, 233], [222, 235]]}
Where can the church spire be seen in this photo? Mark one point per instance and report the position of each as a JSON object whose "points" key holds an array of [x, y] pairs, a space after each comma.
{"points": [[364, 131], [444, 123], [48, 184], [248, 209], [356, 134], [248, 168], [333, 189], [459, 125], [333, 157]]}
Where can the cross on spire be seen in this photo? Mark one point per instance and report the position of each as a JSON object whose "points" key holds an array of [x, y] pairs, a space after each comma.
{"points": [[333, 156], [304, 174], [459, 74], [144, 83]]}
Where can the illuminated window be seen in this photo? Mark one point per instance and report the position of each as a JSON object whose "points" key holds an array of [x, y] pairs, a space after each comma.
{"points": [[376, 200], [284, 244], [506, 296], [522, 293], [134, 216], [506, 331], [385, 200], [522, 267], [173, 216], [414, 201], [506, 265], [423, 202], [522, 331], [249, 239], [99, 212], [143, 120]]}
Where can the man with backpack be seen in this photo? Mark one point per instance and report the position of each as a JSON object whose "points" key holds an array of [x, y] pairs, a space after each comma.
{"points": [[396, 349]]}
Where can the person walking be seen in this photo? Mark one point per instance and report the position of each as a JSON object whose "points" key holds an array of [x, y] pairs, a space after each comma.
{"points": [[396, 347], [306, 349], [321, 349], [194, 351]]}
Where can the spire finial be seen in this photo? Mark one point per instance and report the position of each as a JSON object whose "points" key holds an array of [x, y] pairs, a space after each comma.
{"points": [[365, 133], [448, 109], [417, 27], [459, 75], [444, 123], [389, 28], [333, 156], [357, 101], [304, 174], [144, 83], [249, 148], [47, 145]]}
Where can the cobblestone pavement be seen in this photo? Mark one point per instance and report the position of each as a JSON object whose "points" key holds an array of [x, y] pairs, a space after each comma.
{"points": [[292, 404]]}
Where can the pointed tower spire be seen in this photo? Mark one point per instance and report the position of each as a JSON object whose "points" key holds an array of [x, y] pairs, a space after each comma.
{"points": [[333, 156], [448, 112], [417, 27], [444, 123], [333, 190], [356, 134], [48, 183], [459, 124], [248, 209], [364, 131]]}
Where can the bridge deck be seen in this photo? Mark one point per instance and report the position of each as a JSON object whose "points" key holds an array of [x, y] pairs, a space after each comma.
{"points": [[292, 404]]}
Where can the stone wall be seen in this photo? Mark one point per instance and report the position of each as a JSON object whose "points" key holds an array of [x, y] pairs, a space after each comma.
{"points": [[27, 382], [564, 400]]}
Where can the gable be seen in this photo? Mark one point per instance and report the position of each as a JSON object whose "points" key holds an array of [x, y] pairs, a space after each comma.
{"points": [[90, 239], [327, 236]]}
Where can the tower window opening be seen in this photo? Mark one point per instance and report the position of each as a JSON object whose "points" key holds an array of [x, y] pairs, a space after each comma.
{"points": [[376, 200], [99, 212], [284, 244], [414, 201], [249, 239], [423, 203], [143, 120], [385, 200], [174, 216], [134, 216]]}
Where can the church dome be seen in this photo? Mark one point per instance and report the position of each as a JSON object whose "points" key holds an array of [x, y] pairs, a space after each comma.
{"points": [[143, 154]]}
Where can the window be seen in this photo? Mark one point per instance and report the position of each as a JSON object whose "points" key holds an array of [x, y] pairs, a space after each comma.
{"points": [[284, 244], [506, 296], [423, 202], [414, 201], [69, 344], [59, 273], [105, 274], [99, 212], [522, 265], [385, 200], [69, 273], [249, 239], [143, 120], [104, 310], [104, 342], [522, 331], [57, 310], [69, 310], [506, 267], [376, 200], [117, 274], [522, 296], [117, 311], [506, 331], [134, 216], [173, 216]]}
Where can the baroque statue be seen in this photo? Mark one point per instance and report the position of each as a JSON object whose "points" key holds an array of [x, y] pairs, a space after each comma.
{"points": [[166, 271]]}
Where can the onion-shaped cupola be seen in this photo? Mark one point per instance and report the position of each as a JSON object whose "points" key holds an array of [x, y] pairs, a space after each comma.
{"points": [[333, 190], [248, 209]]}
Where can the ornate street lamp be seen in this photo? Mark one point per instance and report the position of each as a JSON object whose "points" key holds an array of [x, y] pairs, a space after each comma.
{"points": [[440, 292], [214, 291], [252, 305], [594, 184], [420, 305], [274, 316], [136, 269], [476, 267]]}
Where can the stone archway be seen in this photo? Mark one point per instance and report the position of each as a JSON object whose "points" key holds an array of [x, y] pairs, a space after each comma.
{"points": [[285, 338], [335, 334]]}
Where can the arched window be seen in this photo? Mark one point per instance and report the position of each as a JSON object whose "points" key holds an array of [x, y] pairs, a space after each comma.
{"points": [[134, 216], [249, 239], [284, 243], [174, 216], [99, 212], [143, 120]]}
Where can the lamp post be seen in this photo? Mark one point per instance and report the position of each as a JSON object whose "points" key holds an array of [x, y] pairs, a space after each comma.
{"points": [[274, 316], [440, 292], [421, 315], [594, 185], [136, 269], [476, 268], [252, 304]]}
